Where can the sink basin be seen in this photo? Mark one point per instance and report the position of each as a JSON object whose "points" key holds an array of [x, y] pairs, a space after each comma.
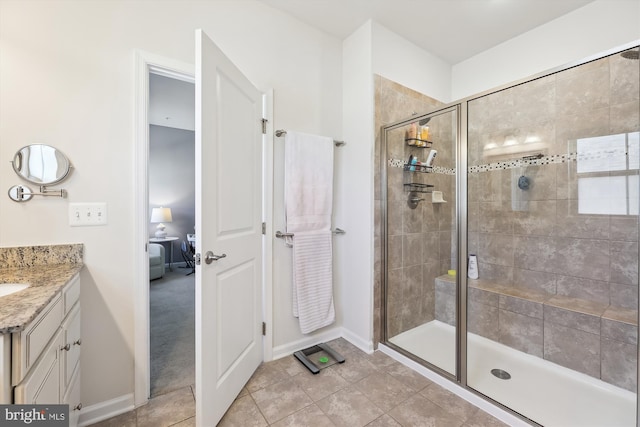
{"points": [[9, 288]]}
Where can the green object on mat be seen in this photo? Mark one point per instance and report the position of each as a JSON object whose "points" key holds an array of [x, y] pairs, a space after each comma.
{"points": [[323, 359]]}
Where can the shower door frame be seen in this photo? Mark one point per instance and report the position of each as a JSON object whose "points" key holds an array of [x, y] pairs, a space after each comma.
{"points": [[461, 217], [461, 318], [460, 376]]}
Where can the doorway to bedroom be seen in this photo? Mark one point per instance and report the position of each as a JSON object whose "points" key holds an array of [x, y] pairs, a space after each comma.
{"points": [[171, 179]]}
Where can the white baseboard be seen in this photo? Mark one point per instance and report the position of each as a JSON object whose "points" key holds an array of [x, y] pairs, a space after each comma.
{"points": [[337, 332], [364, 345], [290, 348], [105, 410]]}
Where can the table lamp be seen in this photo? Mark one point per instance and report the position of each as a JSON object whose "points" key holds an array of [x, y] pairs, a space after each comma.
{"points": [[160, 215]]}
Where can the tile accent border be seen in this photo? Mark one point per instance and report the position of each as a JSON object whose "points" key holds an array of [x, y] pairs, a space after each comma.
{"points": [[527, 161], [509, 164], [396, 163]]}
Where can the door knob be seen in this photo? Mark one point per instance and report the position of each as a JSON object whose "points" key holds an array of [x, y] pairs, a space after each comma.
{"points": [[209, 257]]}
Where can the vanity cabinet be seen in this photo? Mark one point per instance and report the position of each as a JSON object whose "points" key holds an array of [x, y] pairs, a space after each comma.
{"points": [[42, 384], [46, 354]]}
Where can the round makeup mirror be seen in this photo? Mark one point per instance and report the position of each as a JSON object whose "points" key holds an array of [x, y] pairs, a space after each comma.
{"points": [[41, 164], [20, 193]]}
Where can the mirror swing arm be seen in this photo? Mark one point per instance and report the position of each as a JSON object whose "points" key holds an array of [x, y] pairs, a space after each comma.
{"points": [[22, 193], [51, 167]]}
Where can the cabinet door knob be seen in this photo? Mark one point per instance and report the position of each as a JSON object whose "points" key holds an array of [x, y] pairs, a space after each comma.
{"points": [[77, 342], [66, 347]]}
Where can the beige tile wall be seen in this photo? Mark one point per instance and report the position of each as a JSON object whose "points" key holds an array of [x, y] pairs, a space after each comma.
{"points": [[592, 338], [419, 240], [545, 246], [537, 243]]}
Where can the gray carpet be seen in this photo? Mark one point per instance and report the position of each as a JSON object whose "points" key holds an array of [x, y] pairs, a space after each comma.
{"points": [[172, 317]]}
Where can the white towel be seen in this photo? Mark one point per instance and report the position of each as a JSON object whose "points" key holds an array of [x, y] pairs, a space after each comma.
{"points": [[308, 177], [308, 208], [313, 278]]}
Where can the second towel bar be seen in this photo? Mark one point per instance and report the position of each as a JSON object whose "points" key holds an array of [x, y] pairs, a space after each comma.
{"points": [[281, 235]]}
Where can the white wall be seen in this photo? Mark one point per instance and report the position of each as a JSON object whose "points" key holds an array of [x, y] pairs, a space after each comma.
{"points": [[403, 62], [354, 190], [370, 49], [592, 29], [67, 73]]}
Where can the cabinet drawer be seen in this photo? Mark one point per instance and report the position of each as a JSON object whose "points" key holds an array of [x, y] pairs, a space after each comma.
{"points": [[71, 293], [29, 343], [70, 355], [42, 385]]}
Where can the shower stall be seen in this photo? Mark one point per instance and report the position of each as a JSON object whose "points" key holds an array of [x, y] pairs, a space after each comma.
{"points": [[508, 240]]}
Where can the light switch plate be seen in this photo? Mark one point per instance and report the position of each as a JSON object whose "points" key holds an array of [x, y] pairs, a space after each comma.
{"points": [[87, 214]]}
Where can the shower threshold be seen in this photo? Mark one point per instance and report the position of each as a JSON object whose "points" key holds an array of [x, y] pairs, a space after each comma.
{"points": [[545, 392]]}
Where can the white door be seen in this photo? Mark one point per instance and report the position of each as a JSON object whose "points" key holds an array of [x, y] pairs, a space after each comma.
{"points": [[228, 225]]}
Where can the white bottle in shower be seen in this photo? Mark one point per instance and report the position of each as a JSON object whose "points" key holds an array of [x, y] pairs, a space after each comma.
{"points": [[473, 267], [431, 157]]}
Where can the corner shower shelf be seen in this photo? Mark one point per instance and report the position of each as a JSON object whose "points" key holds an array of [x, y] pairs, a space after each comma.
{"points": [[418, 168], [415, 187]]}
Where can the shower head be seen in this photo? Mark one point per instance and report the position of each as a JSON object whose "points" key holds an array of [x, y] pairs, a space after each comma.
{"points": [[630, 54], [424, 121]]}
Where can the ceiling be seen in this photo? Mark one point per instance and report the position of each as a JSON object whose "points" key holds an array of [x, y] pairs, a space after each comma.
{"points": [[453, 30]]}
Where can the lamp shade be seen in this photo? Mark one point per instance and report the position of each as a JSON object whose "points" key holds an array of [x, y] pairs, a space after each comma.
{"points": [[161, 215]]}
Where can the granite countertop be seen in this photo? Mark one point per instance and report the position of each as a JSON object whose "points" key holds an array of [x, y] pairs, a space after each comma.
{"points": [[46, 281]]}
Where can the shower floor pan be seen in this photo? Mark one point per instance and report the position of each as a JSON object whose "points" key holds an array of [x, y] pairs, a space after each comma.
{"points": [[547, 393]]}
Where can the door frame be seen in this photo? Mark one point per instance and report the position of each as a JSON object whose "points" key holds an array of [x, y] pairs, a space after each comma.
{"points": [[145, 64]]}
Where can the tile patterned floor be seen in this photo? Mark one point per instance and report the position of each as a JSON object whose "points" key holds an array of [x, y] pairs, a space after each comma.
{"points": [[367, 390]]}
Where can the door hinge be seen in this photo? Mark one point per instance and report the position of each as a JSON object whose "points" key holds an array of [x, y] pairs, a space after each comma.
{"points": [[264, 329], [264, 126], [264, 228]]}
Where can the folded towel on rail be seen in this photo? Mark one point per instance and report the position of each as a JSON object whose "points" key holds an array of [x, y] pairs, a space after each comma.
{"points": [[308, 177], [313, 280]]}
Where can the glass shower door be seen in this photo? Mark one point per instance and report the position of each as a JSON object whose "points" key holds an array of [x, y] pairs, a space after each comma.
{"points": [[553, 223], [420, 237]]}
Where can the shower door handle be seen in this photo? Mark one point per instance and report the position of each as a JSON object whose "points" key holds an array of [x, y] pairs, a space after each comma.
{"points": [[209, 257]]}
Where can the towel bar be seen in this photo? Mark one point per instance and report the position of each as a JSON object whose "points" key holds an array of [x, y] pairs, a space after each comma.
{"points": [[281, 132], [281, 235]]}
